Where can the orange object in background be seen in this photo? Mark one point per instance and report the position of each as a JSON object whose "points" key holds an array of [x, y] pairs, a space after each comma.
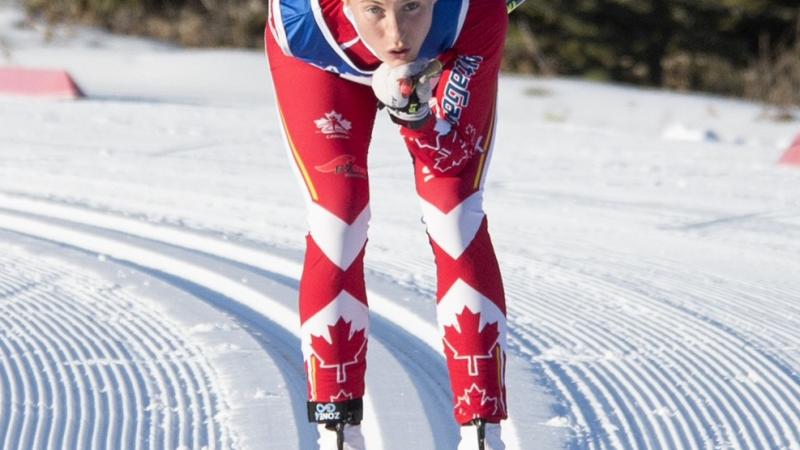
{"points": [[792, 155], [43, 83]]}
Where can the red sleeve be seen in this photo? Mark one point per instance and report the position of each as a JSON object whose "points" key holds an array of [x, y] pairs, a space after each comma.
{"points": [[465, 96]]}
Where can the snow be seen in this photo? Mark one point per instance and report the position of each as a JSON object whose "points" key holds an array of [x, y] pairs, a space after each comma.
{"points": [[151, 240]]}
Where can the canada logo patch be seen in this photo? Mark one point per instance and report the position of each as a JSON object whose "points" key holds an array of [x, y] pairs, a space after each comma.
{"points": [[334, 126]]}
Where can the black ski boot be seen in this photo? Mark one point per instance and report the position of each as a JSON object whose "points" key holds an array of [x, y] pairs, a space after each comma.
{"points": [[336, 415]]}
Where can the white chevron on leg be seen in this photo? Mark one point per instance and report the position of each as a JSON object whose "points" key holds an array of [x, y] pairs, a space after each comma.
{"points": [[454, 231], [340, 241], [344, 306], [462, 294]]}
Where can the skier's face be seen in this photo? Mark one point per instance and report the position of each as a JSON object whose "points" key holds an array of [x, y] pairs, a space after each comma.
{"points": [[393, 29]]}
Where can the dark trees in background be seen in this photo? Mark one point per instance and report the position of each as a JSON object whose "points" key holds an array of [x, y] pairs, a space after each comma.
{"points": [[710, 45], [733, 47], [197, 23]]}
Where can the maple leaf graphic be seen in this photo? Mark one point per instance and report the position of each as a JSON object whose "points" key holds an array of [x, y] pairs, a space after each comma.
{"points": [[340, 123], [323, 124], [476, 392], [341, 396], [471, 343], [454, 148], [333, 122], [344, 348]]}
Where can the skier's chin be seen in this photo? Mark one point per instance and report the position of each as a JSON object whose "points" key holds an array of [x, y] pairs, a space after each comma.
{"points": [[395, 60]]}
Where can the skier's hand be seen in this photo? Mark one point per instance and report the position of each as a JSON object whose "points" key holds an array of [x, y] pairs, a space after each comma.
{"points": [[405, 90]]}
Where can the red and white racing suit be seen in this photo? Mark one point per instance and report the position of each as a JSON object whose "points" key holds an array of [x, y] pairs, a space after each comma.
{"points": [[327, 122]]}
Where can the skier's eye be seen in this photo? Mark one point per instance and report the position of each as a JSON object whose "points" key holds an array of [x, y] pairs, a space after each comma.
{"points": [[375, 10], [411, 6]]}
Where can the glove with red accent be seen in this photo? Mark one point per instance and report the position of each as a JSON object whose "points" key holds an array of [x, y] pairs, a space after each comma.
{"points": [[406, 89]]}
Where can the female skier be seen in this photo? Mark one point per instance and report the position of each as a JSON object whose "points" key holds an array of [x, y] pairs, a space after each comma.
{"points": [[434, 66]]}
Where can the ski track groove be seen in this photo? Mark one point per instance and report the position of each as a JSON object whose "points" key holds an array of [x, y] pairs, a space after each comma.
{"points": [[89, 420], [32, 398], [597, 391], [185, 402], [643, 430], [190, 404], [726, 296], [27, 394], [613, 404], [38, 398], [727, 406], [77, 376], [122, 384], [161, 343], [606, 395], [203, 426], [133, 371], [606, 384], [87, 352], [581, 426], [638, 397], [678, 402], [565, 375], [146, 415], [104, 403], [70, 407], [162, 431], [47, 402], [192, 376], [183, 374], [90, 374], [5, 386], [777, 380], [681, 432], [669, 282], [186, 366], [113, 382], [634, 401], [711, 417], [752, 401], [14, 381], [19, 398], [35, 400]]}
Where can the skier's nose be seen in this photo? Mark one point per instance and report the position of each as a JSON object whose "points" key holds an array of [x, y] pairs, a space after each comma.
{"points": [[395, 31]]}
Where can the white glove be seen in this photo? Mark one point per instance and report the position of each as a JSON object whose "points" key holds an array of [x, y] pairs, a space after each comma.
{"points": [[405, 90]]}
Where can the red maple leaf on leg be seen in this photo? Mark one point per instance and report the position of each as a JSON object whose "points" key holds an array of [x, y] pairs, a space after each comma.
{"points": [[344, 349], [468, 342], [341, 396], [476, 398]]}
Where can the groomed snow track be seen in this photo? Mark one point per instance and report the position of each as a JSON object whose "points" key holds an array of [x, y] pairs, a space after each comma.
{"points": [[258, 289], [703, 386], [84, 367]]}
